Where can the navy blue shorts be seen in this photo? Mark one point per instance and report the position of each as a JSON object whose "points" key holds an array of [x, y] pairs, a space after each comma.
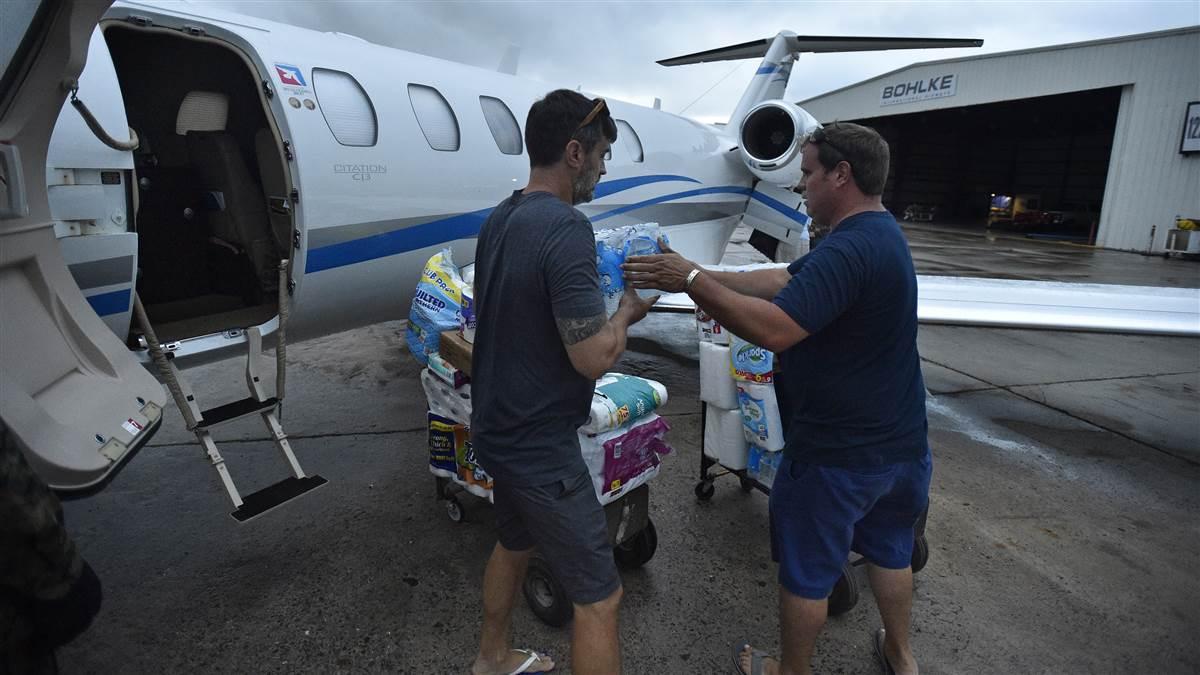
{"points": [[820, 513], [566, 523]]}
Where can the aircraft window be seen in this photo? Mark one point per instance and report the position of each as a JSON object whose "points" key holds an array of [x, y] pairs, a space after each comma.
{"points": [[503, 125], [629, 137], [435, 116], [346, 107]]}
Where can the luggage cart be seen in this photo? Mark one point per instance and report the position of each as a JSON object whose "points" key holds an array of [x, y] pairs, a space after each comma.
{"points": [[845, 592], [631, 533]]}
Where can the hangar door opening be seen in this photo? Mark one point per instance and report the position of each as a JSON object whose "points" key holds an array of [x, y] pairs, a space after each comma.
{"points": [[1049, 155]]}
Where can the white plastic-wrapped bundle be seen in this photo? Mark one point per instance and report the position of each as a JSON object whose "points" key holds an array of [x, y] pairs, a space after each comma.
{"points": [[620, 399], [446, 401], [709, 330], [724, 439], [716, 386], [622, 459], [760, 415]]}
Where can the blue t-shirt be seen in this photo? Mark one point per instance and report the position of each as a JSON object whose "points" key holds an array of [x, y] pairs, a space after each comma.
{"points": [[853, 388]]}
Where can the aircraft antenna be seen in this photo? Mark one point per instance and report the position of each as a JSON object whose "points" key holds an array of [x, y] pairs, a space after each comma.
{"points": [[726, 76]]}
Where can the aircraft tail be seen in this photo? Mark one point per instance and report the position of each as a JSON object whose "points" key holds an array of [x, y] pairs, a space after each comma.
{"points": [[779, 53]]}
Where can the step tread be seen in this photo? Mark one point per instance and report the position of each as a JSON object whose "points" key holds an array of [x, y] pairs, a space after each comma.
{"points": [[232, 411]]}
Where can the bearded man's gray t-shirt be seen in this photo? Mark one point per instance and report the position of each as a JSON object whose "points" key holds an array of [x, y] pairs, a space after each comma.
{"points": [[535, 262]]}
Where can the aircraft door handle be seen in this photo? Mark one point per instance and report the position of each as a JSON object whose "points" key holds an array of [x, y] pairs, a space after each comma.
{"points": [[280, 205]]}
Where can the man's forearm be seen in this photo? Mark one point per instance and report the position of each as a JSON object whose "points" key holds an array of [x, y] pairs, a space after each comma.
{"points": [[764, 284], [754, 319]]}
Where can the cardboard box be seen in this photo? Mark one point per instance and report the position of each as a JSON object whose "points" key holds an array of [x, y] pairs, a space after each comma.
{"points": [[456, 350]]}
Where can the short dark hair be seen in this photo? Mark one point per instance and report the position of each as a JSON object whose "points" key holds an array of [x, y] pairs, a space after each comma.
{"points": [[862, 147], [554, 120]]}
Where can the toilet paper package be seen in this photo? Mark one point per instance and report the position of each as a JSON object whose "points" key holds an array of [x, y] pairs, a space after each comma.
{"points": [[749, 362], [622, 459], [760, 415], [716, 386], [709, 330], [724, 439], [445, 400]]}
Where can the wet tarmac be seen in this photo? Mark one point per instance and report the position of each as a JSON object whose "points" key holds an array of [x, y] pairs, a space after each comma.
{"points": [[1064, 521]]}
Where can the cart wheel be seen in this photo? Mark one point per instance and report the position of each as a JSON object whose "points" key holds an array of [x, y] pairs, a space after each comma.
{"points": [[638, 550], [845, 592], [746, 483], [705, 490], [920, 554], [545, 594], [455, 510]]}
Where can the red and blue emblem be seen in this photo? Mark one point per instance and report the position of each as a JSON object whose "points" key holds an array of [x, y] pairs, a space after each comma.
{"points": [[290, 75]]}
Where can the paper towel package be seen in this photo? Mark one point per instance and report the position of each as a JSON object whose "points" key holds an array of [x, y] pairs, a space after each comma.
{"points": [[716, 386], [724, 439], [760, 415], [619, 399], [750, 363]]}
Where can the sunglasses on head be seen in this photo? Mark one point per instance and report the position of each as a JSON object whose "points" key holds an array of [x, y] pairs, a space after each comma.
{"points": [[819, 137], [601, 106]]}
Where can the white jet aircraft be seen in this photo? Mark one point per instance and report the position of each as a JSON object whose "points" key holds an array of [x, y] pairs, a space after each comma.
{"points": [[222, 179]]}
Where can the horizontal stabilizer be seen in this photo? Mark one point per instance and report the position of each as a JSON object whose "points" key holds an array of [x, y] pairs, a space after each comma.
{"points": [[818, 44]]}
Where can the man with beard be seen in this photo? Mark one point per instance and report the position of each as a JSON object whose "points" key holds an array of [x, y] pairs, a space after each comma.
{"points": [[543, 338], [856, 464]]}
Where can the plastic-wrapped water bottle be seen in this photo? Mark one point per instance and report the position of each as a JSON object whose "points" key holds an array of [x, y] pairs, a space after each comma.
{"points": [[643, 245]]}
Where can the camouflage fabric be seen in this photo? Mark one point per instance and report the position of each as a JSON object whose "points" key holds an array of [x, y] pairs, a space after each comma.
{"points": [[38, 561]]}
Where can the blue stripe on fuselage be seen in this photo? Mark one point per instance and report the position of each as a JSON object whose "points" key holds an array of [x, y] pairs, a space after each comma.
{"points": [[467, 225], [440, 231], [113, 302]]}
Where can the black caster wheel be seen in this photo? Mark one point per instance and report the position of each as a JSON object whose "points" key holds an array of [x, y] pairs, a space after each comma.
{"points": [[638, 550], [920, 554], [845, 592], [454, 510], [705, 490], [747, 484], [545, 595]]}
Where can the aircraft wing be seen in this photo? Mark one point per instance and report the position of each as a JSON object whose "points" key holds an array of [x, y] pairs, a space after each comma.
{"points": [[818, 44], [1048, 305]]}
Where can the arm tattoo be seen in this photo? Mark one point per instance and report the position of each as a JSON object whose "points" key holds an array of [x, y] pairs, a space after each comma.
{"points": [[578, 330]]}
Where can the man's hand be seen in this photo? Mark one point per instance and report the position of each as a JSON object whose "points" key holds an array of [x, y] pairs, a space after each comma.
{"points": [[667, 271], [634, 307]]}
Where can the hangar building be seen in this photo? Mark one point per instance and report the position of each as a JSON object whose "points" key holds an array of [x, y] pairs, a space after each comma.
{"points": [[1106, 132]]}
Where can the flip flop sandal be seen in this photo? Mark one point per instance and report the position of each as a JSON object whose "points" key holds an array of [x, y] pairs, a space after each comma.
{"points": [[884, 667], [756, 659], [533, 657]]}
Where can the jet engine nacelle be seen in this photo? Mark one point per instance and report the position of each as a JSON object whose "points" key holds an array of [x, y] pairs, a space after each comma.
{"points": [[770, 138]]}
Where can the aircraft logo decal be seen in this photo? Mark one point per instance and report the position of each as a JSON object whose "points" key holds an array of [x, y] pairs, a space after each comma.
{"points": [[290, 75]]}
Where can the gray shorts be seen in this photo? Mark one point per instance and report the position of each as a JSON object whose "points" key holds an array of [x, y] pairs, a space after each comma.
{"points": [[566, 523]]}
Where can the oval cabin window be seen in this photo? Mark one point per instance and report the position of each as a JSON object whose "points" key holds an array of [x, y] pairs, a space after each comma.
{"points": [[435, 116], [346, 107]]}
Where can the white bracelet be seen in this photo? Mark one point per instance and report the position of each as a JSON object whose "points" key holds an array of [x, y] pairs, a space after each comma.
{"points": [[691, 277]]}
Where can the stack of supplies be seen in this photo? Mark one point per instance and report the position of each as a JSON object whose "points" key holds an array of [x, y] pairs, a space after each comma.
{"points": [[623, 437], [743, 429], [612, 247]]}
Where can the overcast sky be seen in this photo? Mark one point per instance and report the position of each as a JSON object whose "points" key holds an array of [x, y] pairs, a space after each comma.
{"points": [[610, 48]]}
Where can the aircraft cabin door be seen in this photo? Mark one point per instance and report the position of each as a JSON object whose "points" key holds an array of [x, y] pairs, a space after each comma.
{"points": [[72, 397]]}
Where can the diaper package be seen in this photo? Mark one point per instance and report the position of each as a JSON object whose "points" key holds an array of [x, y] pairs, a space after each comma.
{"points": [[444, 438], [436, 305], [612, 247], [749, 362], [760, 415], [619, 399]]}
